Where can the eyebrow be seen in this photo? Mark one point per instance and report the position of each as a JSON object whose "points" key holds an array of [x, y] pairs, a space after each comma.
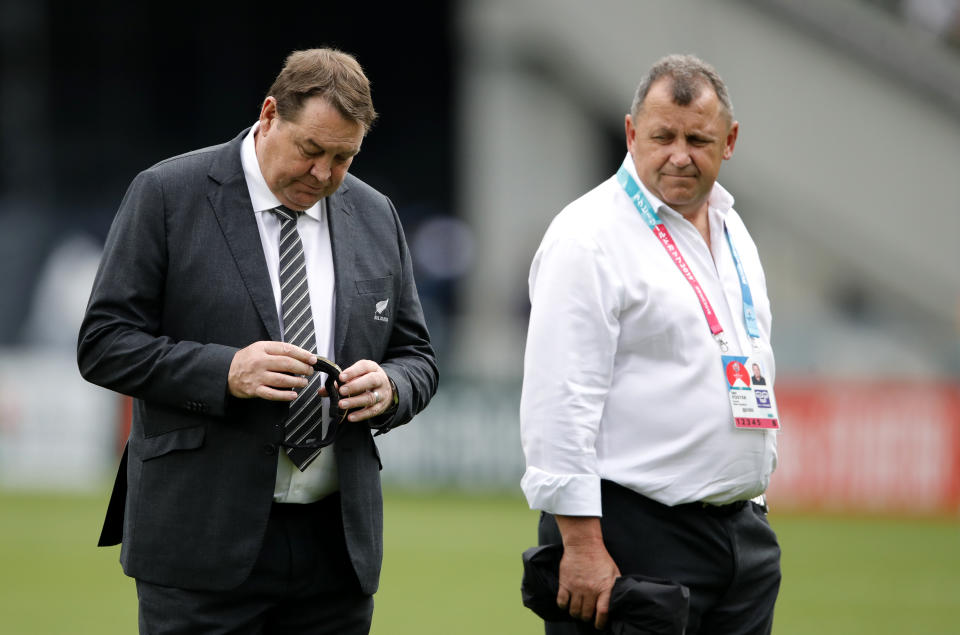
{"points": [[351, 151]]}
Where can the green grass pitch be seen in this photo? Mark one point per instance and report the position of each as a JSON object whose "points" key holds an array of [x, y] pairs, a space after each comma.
{"points": [[452, 565]]}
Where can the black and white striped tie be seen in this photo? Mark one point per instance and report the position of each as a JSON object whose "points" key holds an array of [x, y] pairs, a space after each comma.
{"points": [[304, 422]]}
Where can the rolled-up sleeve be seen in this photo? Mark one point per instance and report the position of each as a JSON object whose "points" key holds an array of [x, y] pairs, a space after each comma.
{"points": [[575, 301]]}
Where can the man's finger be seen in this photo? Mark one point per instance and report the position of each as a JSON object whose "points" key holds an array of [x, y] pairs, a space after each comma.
{"points": [[285, 349], [364, 398], [284, 364], [272, 394], [576, 606], [362, 414], [587, 607], [373, 394], [563, 599], [358, 369], [284, 380], [603, 610]]}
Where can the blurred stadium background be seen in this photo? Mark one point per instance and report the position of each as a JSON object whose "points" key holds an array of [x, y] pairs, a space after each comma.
{"points": [[494, 114]]}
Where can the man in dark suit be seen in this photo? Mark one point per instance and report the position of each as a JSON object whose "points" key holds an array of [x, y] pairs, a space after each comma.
{"points": [[230, 520]]}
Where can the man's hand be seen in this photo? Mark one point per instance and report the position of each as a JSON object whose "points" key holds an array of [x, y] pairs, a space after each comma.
{"points": [[587, 572], [364, 386], [269, 370]]}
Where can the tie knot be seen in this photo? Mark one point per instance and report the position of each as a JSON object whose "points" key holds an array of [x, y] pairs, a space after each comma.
{"points": [[285, 213]]}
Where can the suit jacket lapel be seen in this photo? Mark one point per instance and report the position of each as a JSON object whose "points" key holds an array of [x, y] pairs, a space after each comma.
{"points": [[344, 239], [230, 199]]}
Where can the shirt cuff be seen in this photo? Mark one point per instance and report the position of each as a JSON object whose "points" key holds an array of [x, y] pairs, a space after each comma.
{"points": [[563, 494]]}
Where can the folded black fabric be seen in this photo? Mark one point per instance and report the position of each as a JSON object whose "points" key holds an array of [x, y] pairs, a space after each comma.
{"points": [[639, 605]]}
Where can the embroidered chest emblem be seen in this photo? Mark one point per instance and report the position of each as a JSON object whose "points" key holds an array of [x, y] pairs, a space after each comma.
{"points": [[381, 308]]}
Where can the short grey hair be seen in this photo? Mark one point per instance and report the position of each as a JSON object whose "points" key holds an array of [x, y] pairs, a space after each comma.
{"points": [[689, 74], [328, 73]]}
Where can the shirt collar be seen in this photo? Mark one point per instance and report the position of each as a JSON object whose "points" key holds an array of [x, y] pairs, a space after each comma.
{"points": [[260, 195], [720, 199]]}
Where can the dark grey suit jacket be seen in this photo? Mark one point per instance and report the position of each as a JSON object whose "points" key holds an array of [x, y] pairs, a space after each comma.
{"points": [[182, 286]]}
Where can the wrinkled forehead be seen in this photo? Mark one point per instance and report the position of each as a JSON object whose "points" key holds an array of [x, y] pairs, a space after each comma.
{"points": [[695, 94], [703, 115]]}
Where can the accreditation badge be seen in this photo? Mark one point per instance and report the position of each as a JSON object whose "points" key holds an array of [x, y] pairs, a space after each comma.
{"points": [[751, 398]]}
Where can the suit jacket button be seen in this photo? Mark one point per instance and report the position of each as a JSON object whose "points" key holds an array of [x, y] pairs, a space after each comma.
{"points": [[269, 450]]}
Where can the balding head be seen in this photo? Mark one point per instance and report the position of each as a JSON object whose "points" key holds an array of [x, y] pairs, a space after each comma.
{"points": [[688, 76]]}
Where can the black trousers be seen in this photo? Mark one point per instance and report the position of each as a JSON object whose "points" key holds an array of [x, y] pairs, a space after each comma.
{"points": [[303, 582], [728, 557]]}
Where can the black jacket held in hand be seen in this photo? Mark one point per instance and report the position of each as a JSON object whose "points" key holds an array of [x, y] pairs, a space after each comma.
{"points": [[639, 605]]}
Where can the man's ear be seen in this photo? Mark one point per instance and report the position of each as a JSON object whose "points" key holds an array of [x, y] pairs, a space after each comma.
{"points": [[268, 114], [731, 140], [630, 132]]}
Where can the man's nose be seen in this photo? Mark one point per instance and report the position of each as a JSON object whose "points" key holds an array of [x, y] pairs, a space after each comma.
{"points": [[680, 157], [320, 169]]}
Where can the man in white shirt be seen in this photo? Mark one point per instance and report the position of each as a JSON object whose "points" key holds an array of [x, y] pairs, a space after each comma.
{"points": [[641, 291]]}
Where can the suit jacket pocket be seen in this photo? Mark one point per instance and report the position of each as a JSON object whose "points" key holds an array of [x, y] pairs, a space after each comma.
{"points": [[375, 285], [371, 316], [180, 439]]}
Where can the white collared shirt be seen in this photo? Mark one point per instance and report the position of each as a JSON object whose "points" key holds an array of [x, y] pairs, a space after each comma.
{"points": [[320, 477], [622, 378]]}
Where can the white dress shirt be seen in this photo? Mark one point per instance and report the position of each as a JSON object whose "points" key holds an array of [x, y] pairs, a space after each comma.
{"points": [[622, 378], [320, 477]]}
